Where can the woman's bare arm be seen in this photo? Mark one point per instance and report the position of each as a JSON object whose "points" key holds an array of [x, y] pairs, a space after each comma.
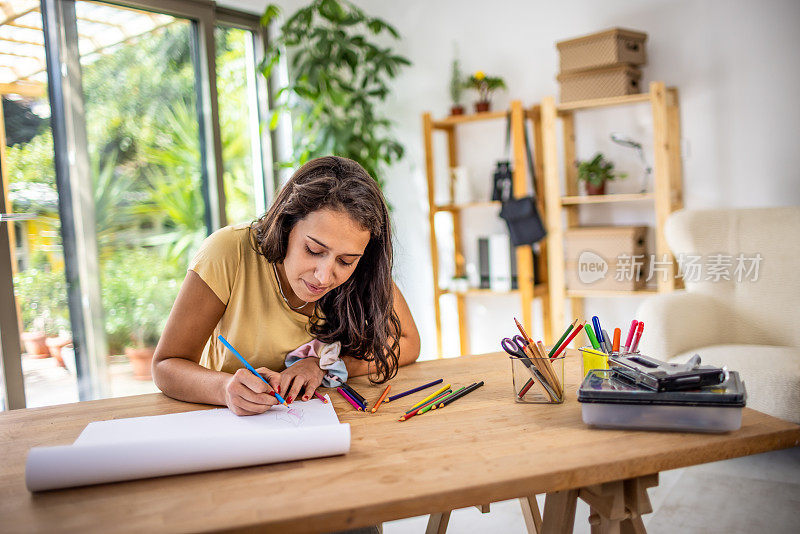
{"points": [[409, 340], [176, 362]]}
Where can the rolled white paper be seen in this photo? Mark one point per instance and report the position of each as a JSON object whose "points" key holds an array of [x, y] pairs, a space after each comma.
{"points": [[79, 465]]}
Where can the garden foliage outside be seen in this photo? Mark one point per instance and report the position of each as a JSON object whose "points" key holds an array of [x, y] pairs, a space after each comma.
{"points": [[142, 129]]}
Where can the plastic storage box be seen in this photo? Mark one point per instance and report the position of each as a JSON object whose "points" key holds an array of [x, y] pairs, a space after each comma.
{"points": [[611, 402]]}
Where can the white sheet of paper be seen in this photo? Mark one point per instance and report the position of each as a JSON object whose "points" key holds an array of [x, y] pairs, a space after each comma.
{"points": [[203, 423], [143, 447]]}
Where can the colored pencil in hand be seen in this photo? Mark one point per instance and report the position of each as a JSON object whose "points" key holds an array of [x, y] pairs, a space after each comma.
{"points": [[380, 400], [414, 390]]}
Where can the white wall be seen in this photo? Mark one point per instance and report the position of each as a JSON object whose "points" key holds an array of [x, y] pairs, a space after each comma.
{"points": [[734, 62]]}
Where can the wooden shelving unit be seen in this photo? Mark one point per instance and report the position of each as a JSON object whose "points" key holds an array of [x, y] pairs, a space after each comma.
{"points": [[525, 264], [665, 198]]}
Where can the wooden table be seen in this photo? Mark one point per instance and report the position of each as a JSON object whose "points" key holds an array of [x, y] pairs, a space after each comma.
{"points": [[481, 449]]}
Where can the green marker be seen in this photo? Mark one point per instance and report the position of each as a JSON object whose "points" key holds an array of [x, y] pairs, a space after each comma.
{"points": [[592, 337]]}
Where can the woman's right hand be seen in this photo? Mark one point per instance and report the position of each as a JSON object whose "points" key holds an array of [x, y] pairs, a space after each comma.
{"points": [[246, 394]]}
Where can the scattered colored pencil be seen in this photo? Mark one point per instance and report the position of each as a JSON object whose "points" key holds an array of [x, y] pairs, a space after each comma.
{"points": [[380, 400], [414, 390], [439, 401], [349, 399], [465, 391], [432, 395], [438, 397], [415, 411], [355, 394], [320, 397]]}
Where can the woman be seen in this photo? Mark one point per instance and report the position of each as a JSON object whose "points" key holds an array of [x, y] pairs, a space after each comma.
{"points": [[316, 266]]}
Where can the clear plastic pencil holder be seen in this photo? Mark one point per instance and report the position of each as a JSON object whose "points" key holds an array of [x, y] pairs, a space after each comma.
{"points": [[538, 380]]}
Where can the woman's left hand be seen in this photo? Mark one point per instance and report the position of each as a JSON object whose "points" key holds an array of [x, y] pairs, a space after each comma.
{"points": [[305, 376]]}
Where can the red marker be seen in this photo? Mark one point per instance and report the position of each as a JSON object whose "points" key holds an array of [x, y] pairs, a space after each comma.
{"points": [[638, 336], [627, 345]]}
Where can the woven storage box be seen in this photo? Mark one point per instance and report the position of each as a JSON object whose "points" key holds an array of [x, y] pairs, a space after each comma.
{"points": [[599, 83], [599, 257], [610, 47]]}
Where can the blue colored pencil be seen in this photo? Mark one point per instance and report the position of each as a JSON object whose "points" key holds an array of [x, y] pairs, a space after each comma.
{"points": [[410, 391], [250, 368]]}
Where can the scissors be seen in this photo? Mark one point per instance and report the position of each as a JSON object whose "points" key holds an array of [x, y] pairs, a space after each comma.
{"points": [[515, 346]]}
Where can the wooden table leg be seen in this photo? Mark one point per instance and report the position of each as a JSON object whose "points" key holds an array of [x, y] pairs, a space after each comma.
{"points": [[530, 511], [559, 512], [437, 523], [617, 507]]}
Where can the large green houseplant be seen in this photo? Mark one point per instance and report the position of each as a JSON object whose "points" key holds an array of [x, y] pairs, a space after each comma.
{"points": [[339, 75]]}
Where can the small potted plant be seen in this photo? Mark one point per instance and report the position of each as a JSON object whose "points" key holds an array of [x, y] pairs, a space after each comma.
{"points": [[596, 172], [457, 86], [485, 85]]}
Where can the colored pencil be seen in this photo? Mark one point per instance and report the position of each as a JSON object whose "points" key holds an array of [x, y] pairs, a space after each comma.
{"points": [[349, 399], [551, 373], [523, 332], [569, 340], [438, 397], [466, 391], [432, 395], [355, 394], [415, 411], [439, 401], [410, 391], [562, 338], [380, 400], [320, 397], [250, 368]]}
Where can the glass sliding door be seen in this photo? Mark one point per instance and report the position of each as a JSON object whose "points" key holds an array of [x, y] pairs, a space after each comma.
{"points": [[29, 185], [143, 135], [243, 175]]}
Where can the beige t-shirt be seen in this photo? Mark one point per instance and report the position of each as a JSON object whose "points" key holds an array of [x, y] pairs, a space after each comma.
{"points": [[257, 321]]}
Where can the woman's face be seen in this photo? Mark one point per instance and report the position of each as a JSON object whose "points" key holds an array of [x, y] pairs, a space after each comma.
{"points": [[323, 252]]}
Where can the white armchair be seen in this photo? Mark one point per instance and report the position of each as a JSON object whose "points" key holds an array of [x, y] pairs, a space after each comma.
{"points": [[750, 324]]}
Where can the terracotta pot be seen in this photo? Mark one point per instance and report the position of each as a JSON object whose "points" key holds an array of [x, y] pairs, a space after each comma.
{"points": [[592, 189], [35, 344], [481, 106], [140, 359], [457, 110]]}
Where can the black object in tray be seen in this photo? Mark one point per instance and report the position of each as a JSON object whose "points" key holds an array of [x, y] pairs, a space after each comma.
{"points": [[603, 386], [658, 375]]}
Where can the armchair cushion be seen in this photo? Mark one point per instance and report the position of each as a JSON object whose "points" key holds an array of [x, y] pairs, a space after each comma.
{"points": [[771, 374]]}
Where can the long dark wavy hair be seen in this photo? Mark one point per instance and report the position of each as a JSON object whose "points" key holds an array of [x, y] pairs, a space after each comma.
{"points": [[360, 312]]}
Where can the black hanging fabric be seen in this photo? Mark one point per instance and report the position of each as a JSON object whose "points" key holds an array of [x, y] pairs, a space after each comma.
{"points": [[525, 225]]}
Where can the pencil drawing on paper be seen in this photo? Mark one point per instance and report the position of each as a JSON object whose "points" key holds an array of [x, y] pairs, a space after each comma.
{"points": [[292, 416]]}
